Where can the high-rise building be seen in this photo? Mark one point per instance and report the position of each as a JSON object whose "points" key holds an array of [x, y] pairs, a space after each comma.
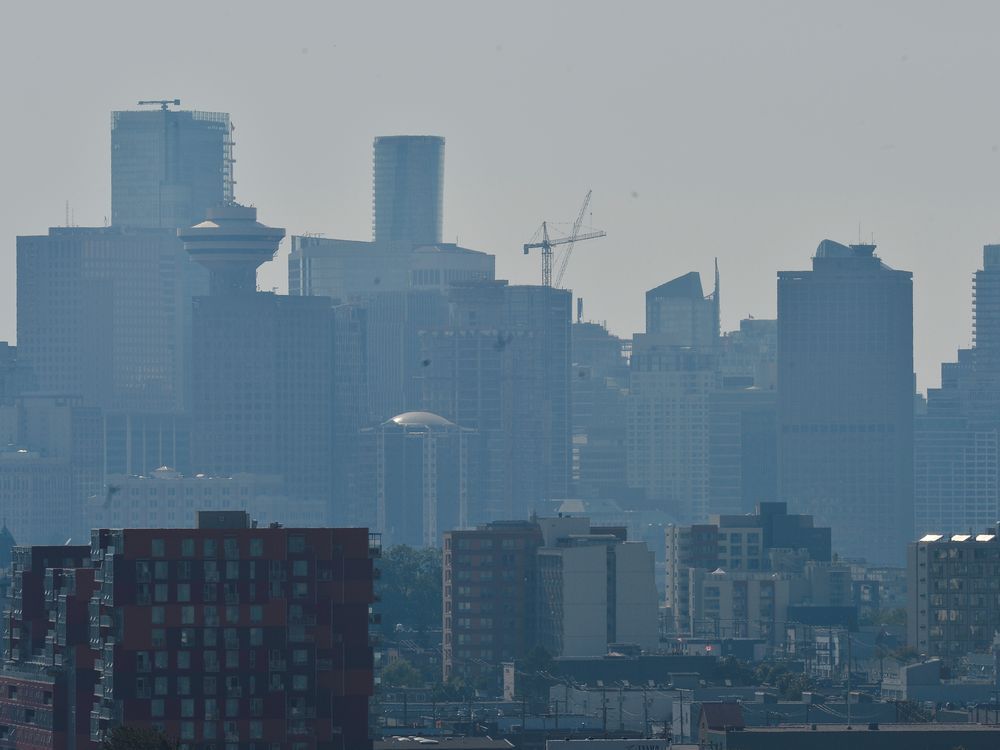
{"points": [[845, 398], [489, 596], [423, 477], [563, 583], [595, 589], [680, 313], [598, 387], [168, 167], [16, 377], [262, 365], [103, 313], [673, 371], [50, 464], [408, 190], [957, 437], [742, 446], [226, 634], [501, 366]]}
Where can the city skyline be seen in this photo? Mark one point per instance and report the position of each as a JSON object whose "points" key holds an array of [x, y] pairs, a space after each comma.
{"points": [[672, 190]]}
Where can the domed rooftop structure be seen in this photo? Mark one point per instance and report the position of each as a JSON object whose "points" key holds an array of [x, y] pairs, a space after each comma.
{"points": [[420, 419]]}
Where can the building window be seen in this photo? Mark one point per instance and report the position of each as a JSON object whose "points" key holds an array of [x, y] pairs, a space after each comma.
{"points": [[256, 547], [300, 682], [300, 568], [159, 548], [184, 660], [296, 543], [156, 708], [256, 614], [160, 569], [183, 592], [208, 548], [157, 615], [232, 549], [187, 615]]}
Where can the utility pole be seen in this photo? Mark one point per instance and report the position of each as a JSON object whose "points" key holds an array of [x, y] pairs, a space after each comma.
{"points": [[847, 632], [604, 709], [621, 716]]}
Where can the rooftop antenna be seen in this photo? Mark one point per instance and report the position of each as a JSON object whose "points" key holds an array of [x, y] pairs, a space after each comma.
{"points": [[67, 212], [164, 103]]}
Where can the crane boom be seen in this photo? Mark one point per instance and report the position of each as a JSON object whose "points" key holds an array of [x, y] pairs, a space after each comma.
{"points": [[546, 244]]}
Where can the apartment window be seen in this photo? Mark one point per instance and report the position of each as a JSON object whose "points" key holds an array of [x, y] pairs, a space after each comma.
{"points": [[300, 682], [158, 615], [187, 615], [256, 730], [208, 686], [159, 638], [232, 569], [187, 708], [256, 614], [187, 730], [256, 634], [156, 708], [161, 570], [300, 656], [159, 548], [160, 686], [183, 592], [296, 543], [210, 635], [184, 685], [208, 548], [256, 547], [232, 549], [232, 707], [160, 593], [160, 660], [232, 659], [232, 615], [184, 660], [300, 568]]}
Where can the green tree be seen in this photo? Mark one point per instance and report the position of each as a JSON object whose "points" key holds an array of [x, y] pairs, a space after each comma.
{"points": [[410, 587], [401, 674], [138, 738]]}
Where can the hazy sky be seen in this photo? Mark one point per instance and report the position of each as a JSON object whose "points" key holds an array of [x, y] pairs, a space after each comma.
{"points": [[744, 130]]}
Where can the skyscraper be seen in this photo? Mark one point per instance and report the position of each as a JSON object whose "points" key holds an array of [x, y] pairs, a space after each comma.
{"points": [[845, 399], [168, 167], [501, 366], [957, 439], [408, 190], [262, 383], [673, 371], [102, 313]]}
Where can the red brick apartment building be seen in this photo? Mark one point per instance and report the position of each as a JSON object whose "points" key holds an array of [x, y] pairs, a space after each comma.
{"points": [[225, 637]]}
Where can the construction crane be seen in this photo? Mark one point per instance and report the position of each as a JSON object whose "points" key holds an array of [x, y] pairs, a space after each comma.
{"points": [[164, 103], [547, 243]]}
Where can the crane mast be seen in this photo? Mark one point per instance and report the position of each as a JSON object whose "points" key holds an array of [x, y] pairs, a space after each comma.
{"points": [[546, 243]]}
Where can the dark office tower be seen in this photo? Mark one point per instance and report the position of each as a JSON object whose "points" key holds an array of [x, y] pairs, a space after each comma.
{"points": [[262, 363], [408, 189], [742, 446], [501, 366], [168, 168], [845, 399], [598, 386], [423, 476]]}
